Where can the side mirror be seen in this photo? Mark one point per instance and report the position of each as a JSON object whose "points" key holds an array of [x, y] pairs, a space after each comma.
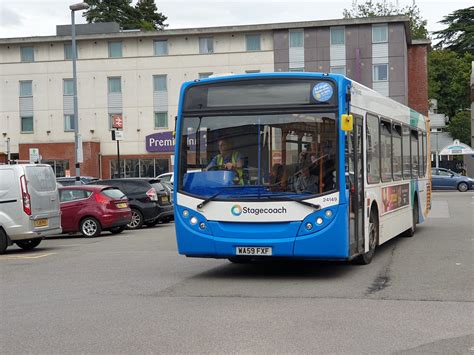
{"points": [[347, 122]]}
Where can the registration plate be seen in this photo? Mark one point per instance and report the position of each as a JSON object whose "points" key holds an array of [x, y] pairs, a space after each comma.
{"points": [[122, 205], [253, 251], [43, 222]]}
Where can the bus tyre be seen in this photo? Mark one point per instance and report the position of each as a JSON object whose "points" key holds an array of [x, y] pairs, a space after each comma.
{"points": [[90, 227], [367, 257], [3, 241], [414, 220], [462, 187], [29, 243]]}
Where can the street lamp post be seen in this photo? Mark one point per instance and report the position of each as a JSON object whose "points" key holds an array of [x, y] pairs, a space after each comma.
{"points": [[77, 141]]}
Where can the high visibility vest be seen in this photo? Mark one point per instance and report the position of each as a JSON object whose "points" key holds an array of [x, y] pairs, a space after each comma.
{"points": [[240, 171]]}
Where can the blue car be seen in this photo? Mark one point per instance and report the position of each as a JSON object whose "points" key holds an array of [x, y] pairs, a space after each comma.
{"points": [[444, 179]]}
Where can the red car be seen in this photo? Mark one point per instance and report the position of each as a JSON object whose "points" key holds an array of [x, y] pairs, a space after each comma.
{"points": [[91, 209]]}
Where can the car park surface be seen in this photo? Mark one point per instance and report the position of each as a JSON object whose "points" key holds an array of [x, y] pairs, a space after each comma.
{"points": [[444, 179], [90, 209]]}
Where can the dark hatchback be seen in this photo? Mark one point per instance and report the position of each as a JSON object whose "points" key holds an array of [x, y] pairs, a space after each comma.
{"points": [[149, 200]]}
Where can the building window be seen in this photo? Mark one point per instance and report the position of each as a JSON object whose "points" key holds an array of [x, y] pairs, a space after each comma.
{"points": [[159, 83], [27, 124], [68, 51], [252, 42], [26, 88], [161, 119], [252, 71], [133, 168], [296, 38], [297, 69], [27, 54], [380, 72], [69, 123], [379, 33], [337, 35], [373, 150], [206, 45], [115, 49], [68, 88], [59, 166], [160, 47], [115, 85], [341, 69], [204, 75]]}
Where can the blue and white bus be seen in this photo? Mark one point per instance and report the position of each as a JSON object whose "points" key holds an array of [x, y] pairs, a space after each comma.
{"points": [[296, 165]]}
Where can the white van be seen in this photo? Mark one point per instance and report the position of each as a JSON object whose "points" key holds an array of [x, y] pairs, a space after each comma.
{"points": [[29, 205]]}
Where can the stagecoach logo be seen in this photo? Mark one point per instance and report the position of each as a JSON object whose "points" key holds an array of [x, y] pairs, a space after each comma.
{"points": [[322, 92], [236, 210]]}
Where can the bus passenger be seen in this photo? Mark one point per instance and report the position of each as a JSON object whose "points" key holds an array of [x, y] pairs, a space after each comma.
{"points": [[276, 177], [306, 182], [227, 159]]}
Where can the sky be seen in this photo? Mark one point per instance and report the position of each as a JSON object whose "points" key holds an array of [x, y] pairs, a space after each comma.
{"points": [[24, 18]]}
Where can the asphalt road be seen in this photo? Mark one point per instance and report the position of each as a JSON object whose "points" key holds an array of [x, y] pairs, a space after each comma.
{"points": [[133, 293]]}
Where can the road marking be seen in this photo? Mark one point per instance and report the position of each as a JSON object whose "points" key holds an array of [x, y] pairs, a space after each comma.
{"points": [[20, 257]]}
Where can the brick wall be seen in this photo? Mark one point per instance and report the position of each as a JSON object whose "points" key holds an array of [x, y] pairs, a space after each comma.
{"points": [[418, 78], [66, 151]]}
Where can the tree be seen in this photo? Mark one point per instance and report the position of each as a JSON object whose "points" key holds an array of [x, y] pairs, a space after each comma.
{"points": [[143, 16], [460, 127], [448, 80], [385, 8], [459, 35]]}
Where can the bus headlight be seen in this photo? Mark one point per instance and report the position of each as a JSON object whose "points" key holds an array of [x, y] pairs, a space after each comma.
{"points": [[328, 213], [319, 221], [309, 226], [193, 220], [185, 213]]}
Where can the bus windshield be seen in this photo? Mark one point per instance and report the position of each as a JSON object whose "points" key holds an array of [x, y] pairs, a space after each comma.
{"points": [[256, 156]]}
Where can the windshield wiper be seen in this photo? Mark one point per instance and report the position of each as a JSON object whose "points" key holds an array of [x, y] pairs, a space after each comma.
{"points": [[286, 198]]}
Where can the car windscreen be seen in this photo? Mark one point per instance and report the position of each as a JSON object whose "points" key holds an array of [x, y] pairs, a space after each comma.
{"points": [[113, 193], [41, 178]]}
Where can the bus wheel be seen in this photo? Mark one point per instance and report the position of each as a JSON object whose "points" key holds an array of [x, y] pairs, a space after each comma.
{"points": [[414, 220], [367, 257]]}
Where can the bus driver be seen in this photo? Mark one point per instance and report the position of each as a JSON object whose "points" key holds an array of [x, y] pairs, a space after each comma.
{"points": [[227, 159]]}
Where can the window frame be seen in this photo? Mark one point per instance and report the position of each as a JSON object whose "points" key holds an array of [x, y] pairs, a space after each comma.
{"points": [[154, 119], [20, 85], [64, 87], [32, 124], [247, 36], [65, 126], [68, 45], [296, 30], [154, 47], [374, 71], [109, 46], [394, 128], [209, 39], [23, 58], [109, 78], [165, 80], [343, 28], [378, 26]]}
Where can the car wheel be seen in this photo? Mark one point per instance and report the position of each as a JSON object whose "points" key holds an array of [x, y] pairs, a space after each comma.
{"points": [[28, 244], [117, 230], [3, 241], [462, 186], [366, 258], [137, 220], [90, 227]]}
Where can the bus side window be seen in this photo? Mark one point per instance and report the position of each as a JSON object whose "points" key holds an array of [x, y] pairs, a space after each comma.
{"points": [[373, 149], [397, 151], [406, 152], [414, 153]]}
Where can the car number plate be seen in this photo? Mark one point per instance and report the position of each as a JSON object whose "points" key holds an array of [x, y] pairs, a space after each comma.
{"points": [[122, 205], [253, 251], [43, 222]]}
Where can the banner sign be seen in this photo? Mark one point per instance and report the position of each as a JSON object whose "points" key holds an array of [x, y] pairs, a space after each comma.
{"points": [[395, 197], [164, 142]]}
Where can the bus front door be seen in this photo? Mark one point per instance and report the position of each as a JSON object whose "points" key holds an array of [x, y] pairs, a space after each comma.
{"points": [[356, 177]]}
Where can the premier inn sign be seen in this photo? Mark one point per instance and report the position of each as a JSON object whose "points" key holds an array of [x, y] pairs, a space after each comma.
{"points": [[164, 142]]}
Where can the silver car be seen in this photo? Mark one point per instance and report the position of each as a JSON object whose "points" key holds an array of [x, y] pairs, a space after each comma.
{"points": [[29, 205]]}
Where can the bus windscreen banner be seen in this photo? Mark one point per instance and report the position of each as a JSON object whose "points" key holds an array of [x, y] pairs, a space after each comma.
{"points": [[269, 93], [395, 197]]}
